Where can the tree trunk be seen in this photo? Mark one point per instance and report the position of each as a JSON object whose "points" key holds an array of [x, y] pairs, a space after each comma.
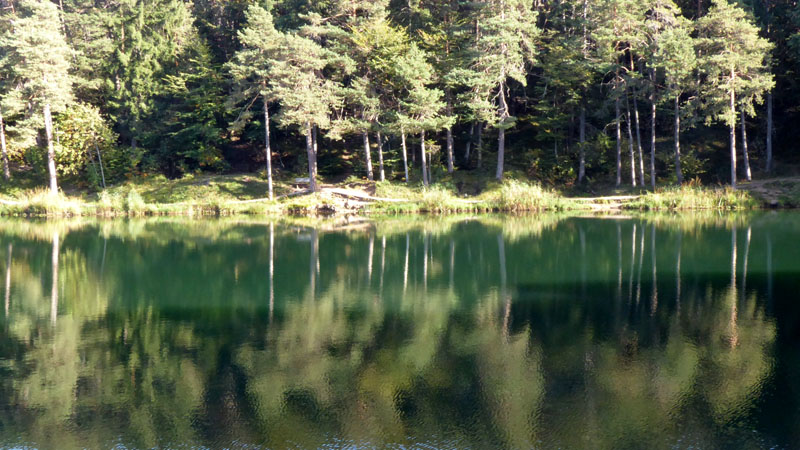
{"points": [[380, 156], [424, 165], [581, 146], [469, 143], [100, 162], [678, 172], [769, 133], [501, 135], [501, 150], [429, 160], [479, 147], [733, 132], [312, 182], [653, 133], [3, 149], [368, 156], [268, 149], [405, 152], [638, 139], [450, 149], [51, 155], [619, 142], [630, 141], [314, 135], [747, 172]]}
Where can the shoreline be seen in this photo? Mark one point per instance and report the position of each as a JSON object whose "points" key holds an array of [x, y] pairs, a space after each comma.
{"points": [[512, 197]]}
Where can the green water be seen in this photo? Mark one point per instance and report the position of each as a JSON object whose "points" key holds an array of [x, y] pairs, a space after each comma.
{"points": [[489, 332]]}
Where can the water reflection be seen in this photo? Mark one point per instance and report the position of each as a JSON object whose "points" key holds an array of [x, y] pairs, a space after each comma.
{"points": [[511, 332]]}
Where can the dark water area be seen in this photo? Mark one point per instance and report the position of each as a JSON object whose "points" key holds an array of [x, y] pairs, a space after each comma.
{"points": [[457, 332]]}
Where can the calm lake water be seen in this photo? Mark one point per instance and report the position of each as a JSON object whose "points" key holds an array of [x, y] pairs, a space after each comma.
{"points": [[487, 332]]}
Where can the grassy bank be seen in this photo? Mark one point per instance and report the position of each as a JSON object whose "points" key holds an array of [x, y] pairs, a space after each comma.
{"points": [[243, 194]]}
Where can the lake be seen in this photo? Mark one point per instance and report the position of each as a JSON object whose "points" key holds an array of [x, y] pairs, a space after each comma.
{"points": [[419, 332]]}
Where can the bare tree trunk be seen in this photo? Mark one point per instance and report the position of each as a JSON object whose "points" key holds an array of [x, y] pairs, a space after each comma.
{"points": [[479, 147], [314, 140], [638, 139], [54, 284], [267, 149], [501, 135], [449, 149], [3, 149], [429, 161], [581, 146], [405, 152], [51, 155], [678, 172], [653, 132], [733, 132], [469, 143], [501, 150], [424, 165], [630, 141], [312, 182], [368, 156], [619, 143], [747, 171], [769, 133], [380, 156]]}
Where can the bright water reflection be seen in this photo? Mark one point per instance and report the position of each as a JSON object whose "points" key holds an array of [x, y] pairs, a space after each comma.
{"points": [[544, 332]]}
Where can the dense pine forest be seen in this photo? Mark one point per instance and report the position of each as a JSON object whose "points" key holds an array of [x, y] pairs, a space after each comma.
{"points": [[564, 92]]}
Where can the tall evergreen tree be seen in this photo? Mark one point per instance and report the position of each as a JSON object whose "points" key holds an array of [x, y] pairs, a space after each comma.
{"points": [[35, 57], [507, 32], [732, 59], [251, 69], [674, 55], [307, 98]]}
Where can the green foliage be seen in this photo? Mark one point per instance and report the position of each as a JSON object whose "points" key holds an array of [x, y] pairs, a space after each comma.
{"points": [[35, 63], [82, 133], [733, 57]]}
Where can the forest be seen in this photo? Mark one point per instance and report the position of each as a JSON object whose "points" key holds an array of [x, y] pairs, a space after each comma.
{"points": [[564, 92]]}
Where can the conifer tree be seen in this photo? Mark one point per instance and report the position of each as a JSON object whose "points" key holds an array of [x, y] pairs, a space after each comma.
{"points": [[420, 106], [251, 69], [147, 38], [674, 55], [35, 57], [307, 98], [732, 59], [506, 43]]}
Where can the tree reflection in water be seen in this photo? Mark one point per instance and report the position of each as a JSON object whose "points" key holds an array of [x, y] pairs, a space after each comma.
{"points": [[157, 333]]}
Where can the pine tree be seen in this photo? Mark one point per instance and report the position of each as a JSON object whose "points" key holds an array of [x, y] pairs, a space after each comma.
{"points": [[675, 56], [307, 98], [732, 60], [251, 69], [443, 34], [35, 57], [147, 38], [420, 106], [505, 44]]}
